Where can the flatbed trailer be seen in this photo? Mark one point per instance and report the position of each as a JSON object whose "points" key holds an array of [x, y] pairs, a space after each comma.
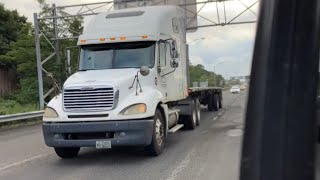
{"points": [[208, 96]]}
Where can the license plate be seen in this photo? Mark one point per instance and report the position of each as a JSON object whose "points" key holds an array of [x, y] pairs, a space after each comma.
{"points": [[103, 144]]}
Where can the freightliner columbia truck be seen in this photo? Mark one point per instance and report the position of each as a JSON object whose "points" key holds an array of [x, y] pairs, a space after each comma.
{"points": [[131, 88]]}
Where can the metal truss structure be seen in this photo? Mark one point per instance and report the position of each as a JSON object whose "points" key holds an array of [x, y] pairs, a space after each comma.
{"points": [[218, 10]]}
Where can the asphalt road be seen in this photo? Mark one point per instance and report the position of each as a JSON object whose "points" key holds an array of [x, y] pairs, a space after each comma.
{"points": [[212, 151]]}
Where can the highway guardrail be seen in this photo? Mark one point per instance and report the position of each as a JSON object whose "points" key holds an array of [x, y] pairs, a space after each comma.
{"points": [[20, 116]]}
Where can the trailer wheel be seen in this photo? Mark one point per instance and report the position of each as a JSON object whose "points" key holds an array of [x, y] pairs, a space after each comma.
{"points": [[220, 101], [210, 102], [190, 121], [198, 111], [157, 143], [216, 102], [67, 152]]}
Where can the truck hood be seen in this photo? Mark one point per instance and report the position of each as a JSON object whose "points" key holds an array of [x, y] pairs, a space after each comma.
{"points": [[106, 76]]}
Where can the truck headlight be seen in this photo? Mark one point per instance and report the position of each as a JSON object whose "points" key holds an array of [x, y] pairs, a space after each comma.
{"points": [[50, 113], [134, 109]]}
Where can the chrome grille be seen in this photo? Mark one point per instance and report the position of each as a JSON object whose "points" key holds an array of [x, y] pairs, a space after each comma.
{"points": [[88, 98]]}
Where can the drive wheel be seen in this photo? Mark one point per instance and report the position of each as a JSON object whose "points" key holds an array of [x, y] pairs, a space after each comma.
{"points": [[67, 152], [190, 121], [220, 101], [198, 111], [210, 102], [216, 102], [157, 143]]}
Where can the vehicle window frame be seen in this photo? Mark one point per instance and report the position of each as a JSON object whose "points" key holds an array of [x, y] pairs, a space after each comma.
{"points": [[164, 52]]}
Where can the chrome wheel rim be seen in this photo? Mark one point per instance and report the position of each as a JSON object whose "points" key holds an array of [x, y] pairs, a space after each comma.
{"points": [[159, 132]]}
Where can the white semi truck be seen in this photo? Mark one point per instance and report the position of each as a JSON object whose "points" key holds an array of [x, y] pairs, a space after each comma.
{"points": [[131, 88]]}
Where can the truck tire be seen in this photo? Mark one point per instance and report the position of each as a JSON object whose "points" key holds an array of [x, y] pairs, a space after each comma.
{"points": [[198, 110], [157, 143], [67, 152], [216, 102], [190, 121], [210, 102], [220, 101]]}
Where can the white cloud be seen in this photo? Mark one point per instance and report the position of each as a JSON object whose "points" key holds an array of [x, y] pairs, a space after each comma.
{"points": [[196, 60]]}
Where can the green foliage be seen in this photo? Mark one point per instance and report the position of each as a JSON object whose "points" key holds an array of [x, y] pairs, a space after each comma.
{"points": [[199, 74], [19, 52], [12, 107], [11, 24]]}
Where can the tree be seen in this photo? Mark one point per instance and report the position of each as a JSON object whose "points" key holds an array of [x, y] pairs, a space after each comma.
{"points": [[199, 74], [11, 24], [22, 55]]}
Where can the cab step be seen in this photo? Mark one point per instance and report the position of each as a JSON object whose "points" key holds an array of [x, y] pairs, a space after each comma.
{"points": [[176, 128]]}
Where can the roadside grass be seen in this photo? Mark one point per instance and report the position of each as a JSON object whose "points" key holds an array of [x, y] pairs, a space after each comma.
{"points": [[8, 107], [12, 107]]}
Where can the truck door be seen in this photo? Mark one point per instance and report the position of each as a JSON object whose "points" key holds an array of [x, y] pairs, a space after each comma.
{"points": [[162, 68], [169, 79]]}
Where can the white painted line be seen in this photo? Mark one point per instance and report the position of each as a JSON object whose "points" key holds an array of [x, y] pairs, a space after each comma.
{"points": [[220, 113], [23, 162], [184, 163], [215, 118], [235, 132], [204, 131]]}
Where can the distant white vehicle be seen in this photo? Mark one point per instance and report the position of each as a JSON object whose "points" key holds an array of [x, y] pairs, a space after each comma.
{"points": [[235, 89]]}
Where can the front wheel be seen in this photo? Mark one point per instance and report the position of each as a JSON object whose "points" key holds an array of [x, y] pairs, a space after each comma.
{"points": [[157, 143], [67, 152]]}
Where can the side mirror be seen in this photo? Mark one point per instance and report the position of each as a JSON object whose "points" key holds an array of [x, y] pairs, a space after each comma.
{"points": [[174, 52], [174, 63], [144, 70], [69, 62]]}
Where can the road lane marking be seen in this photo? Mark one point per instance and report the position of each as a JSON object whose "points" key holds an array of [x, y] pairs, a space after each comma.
{"points": [[235, 132], [204, 131], [23, 162], [215, 118], [184, 163]]}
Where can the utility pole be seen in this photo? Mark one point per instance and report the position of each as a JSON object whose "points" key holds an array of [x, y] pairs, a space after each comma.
{"points": [[38, 56]]}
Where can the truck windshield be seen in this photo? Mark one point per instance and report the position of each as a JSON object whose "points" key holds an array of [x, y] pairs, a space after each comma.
{"points": [[117, 55]]}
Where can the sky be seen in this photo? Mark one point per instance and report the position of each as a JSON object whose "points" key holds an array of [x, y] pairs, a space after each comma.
{"points": [[226, 50]]}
